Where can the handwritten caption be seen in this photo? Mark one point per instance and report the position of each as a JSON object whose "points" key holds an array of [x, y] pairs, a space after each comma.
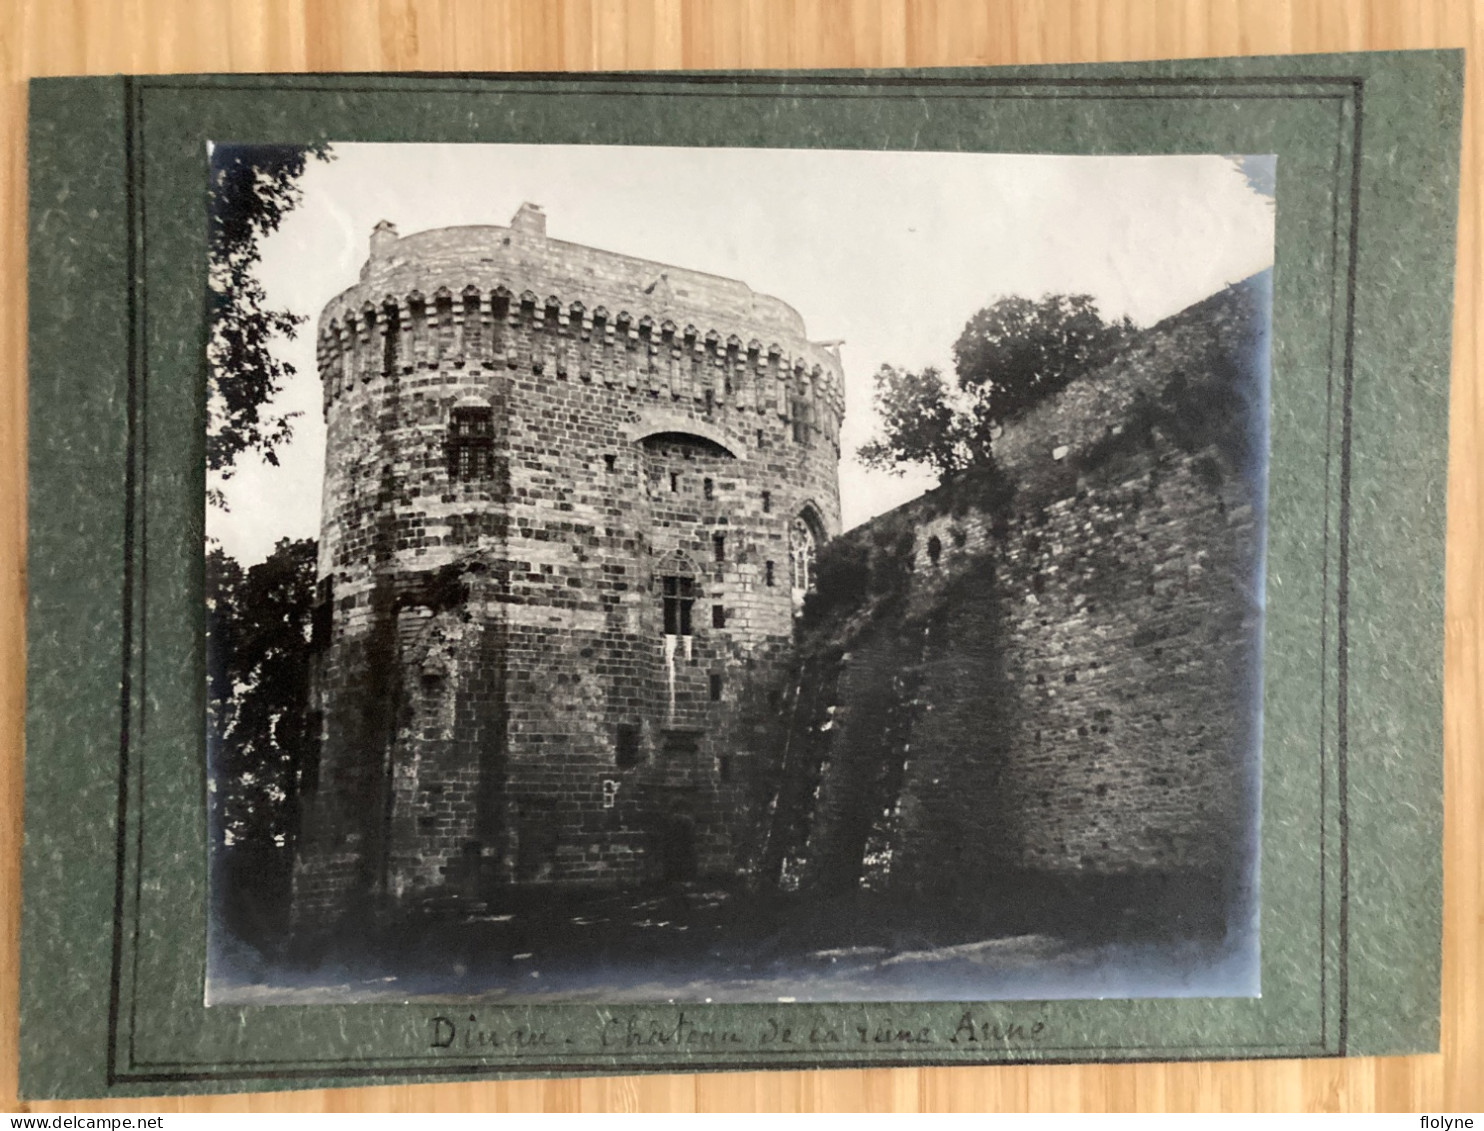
{"points": [[641, 1032]]}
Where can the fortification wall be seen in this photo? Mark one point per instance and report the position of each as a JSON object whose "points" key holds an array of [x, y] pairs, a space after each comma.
{"points": [[503, 700], [1062, 657]]}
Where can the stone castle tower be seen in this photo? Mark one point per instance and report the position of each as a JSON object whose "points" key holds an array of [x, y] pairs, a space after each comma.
{"points": [[571, 503]]}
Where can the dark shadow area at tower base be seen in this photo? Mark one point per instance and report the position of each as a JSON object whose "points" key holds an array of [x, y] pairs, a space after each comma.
{"points": [[1071, 937]]}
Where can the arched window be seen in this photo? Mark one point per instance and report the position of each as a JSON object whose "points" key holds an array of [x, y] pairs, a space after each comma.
{"points": [[803, 548]]}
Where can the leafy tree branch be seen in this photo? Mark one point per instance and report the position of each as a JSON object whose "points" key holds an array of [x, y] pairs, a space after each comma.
{"points": [[1010, 357], [253, 188]]}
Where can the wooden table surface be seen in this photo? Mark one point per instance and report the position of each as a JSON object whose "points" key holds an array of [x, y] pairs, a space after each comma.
{"points": [[74, 37]]}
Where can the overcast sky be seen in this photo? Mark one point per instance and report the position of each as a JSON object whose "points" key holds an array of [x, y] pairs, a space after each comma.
{"points": [[890, 251]]}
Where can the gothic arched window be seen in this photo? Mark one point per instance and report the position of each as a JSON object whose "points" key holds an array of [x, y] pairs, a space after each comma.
{"points": [[803, 547]]}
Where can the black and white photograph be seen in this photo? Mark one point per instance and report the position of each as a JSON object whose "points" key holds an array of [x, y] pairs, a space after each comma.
{"points": [[647, 575]]}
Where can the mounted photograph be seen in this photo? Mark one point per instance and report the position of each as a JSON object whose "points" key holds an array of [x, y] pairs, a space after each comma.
{"points": [[647, 575]]}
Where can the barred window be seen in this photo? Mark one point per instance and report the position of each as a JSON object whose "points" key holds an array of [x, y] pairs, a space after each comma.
{"points": [[471, 445]]}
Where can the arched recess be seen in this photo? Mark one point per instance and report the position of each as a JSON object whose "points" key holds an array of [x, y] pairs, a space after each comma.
{"points": [[814, 517], [677, 424], [675, 563]]}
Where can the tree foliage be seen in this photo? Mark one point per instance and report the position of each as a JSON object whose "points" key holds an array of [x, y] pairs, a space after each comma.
{"points": [[258, 649], [918, 423], [253, 188], [1015, 353], [1010, 356]]}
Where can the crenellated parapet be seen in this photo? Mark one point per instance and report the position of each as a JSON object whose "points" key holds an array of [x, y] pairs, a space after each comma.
{"points": [[513, 299], [362, 340]]}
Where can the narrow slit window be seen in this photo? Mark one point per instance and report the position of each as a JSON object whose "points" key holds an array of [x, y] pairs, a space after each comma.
{"points": [[674, 481], [767, 502], [768, 572], [715, 686], [314, 724], [610, 461], [322, 619], [800, 420], [390, 326], [719, 546], [718, 616]]}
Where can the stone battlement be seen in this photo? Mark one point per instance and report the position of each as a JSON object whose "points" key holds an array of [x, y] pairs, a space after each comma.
{"points": [[450, 278]]}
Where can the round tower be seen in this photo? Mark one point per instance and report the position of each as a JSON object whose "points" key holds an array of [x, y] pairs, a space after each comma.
{"points": [[571, 502]]}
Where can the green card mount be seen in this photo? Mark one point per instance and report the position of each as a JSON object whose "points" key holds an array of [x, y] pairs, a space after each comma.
{"points": [[114, 950]]}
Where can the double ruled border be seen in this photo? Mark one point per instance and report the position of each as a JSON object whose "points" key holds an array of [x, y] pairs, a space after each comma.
{"points": [[1346, 92]]}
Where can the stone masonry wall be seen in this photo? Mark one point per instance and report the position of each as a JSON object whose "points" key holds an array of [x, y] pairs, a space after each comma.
{"points": [[1050, 672], [501, 706]]}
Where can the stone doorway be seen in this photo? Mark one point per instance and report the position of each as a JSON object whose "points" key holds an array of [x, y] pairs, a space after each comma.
{"points": [[676, 847]]}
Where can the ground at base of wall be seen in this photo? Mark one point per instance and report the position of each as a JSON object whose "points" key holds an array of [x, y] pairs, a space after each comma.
{"points": [[701, 942]]}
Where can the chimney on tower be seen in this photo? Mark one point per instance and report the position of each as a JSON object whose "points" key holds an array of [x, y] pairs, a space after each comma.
{"points": [[382, 238], [530, 219]]}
